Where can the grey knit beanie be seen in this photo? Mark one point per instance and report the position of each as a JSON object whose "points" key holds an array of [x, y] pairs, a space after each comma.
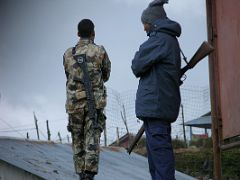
{"points": [[154, 11]]}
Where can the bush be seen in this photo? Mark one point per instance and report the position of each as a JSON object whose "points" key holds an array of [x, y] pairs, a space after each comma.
{"points": [[177, 143], [202, 143], [197, 164], [230, 164], [200, 164]]}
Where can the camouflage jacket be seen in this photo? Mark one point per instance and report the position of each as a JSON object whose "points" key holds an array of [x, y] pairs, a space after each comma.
{"points": [[99, 67]]}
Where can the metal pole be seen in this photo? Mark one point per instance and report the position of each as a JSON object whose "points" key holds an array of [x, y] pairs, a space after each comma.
{"points": [[184, 132], [36, 124], [48, 132], [59, 136], [124, 118], [206, 133], [191, 134], [214, 88], [118, 143]]}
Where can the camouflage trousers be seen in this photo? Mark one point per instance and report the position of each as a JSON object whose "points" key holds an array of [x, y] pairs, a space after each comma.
{"points": [[85, 140]]}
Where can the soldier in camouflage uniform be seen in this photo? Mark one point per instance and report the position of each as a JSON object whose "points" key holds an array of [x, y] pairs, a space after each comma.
{"points": [[85, 138]]}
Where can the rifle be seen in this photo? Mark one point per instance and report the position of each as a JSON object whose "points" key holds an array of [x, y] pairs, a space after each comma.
{"points": [[92, 111], [204, 50]]}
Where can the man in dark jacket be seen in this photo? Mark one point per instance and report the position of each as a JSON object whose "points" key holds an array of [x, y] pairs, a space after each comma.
{"points": [[158, 64]]}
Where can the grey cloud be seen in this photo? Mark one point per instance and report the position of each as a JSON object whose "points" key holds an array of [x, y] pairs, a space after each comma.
{"points": [[34, 35]]}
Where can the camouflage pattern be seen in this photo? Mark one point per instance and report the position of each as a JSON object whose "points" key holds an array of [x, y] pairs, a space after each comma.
{"points": [[84, 137], [99, 67], [86, 152]]}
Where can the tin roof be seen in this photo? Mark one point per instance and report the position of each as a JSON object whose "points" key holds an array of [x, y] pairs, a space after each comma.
{"points": [[54, 161], [204, 121]]}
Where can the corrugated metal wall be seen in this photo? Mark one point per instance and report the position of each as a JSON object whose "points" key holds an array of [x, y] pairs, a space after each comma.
{"points": [[9, 172], [227, 35]]}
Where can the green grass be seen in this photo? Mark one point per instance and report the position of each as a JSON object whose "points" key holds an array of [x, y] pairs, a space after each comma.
{"points": [[198, 161]]}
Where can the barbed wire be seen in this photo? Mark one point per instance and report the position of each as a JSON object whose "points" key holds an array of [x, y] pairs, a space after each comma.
{"points": [[195, 100], [19, 130], [15, 130]]}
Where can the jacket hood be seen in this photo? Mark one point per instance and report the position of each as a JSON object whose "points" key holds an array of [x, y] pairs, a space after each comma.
{"points": [[166, 26]]}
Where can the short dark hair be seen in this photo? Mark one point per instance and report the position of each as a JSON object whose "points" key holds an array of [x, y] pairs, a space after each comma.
{"points": [[85, 28]]}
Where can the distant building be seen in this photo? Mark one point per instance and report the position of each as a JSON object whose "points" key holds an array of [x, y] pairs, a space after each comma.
{"points": [[204, 122], [124, 141]]}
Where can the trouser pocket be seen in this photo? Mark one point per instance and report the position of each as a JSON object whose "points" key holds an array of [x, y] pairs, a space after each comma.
{"points": [[160, 136]]}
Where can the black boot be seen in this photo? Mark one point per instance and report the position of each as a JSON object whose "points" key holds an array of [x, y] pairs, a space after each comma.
{"points": [[82, 176], [89, 175]]}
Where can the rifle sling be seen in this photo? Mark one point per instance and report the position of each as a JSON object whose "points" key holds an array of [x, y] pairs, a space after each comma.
{"points": [[81, 61]]}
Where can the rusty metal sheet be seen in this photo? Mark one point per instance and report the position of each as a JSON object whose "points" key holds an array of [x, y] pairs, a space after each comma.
{"points": [[228, 56]]}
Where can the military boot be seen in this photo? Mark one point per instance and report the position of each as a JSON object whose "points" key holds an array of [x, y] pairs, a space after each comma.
{"points": [[82, 176], [89, 176]]}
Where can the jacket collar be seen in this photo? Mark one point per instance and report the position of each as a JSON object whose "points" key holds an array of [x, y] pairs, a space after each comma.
{"points": [[84, 41]]}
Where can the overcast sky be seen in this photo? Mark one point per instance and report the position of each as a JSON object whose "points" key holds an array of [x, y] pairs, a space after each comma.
{"points": [[34, 35]]}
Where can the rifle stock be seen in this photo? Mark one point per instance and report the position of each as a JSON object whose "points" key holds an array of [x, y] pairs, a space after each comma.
{"points": [[204, 50]]}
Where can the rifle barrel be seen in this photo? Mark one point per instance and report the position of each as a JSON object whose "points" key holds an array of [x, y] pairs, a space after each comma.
{"points": [[136, 139]]}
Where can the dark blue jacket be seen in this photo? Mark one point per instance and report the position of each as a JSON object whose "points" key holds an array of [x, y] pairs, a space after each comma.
{"points": [[158, 65]]}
